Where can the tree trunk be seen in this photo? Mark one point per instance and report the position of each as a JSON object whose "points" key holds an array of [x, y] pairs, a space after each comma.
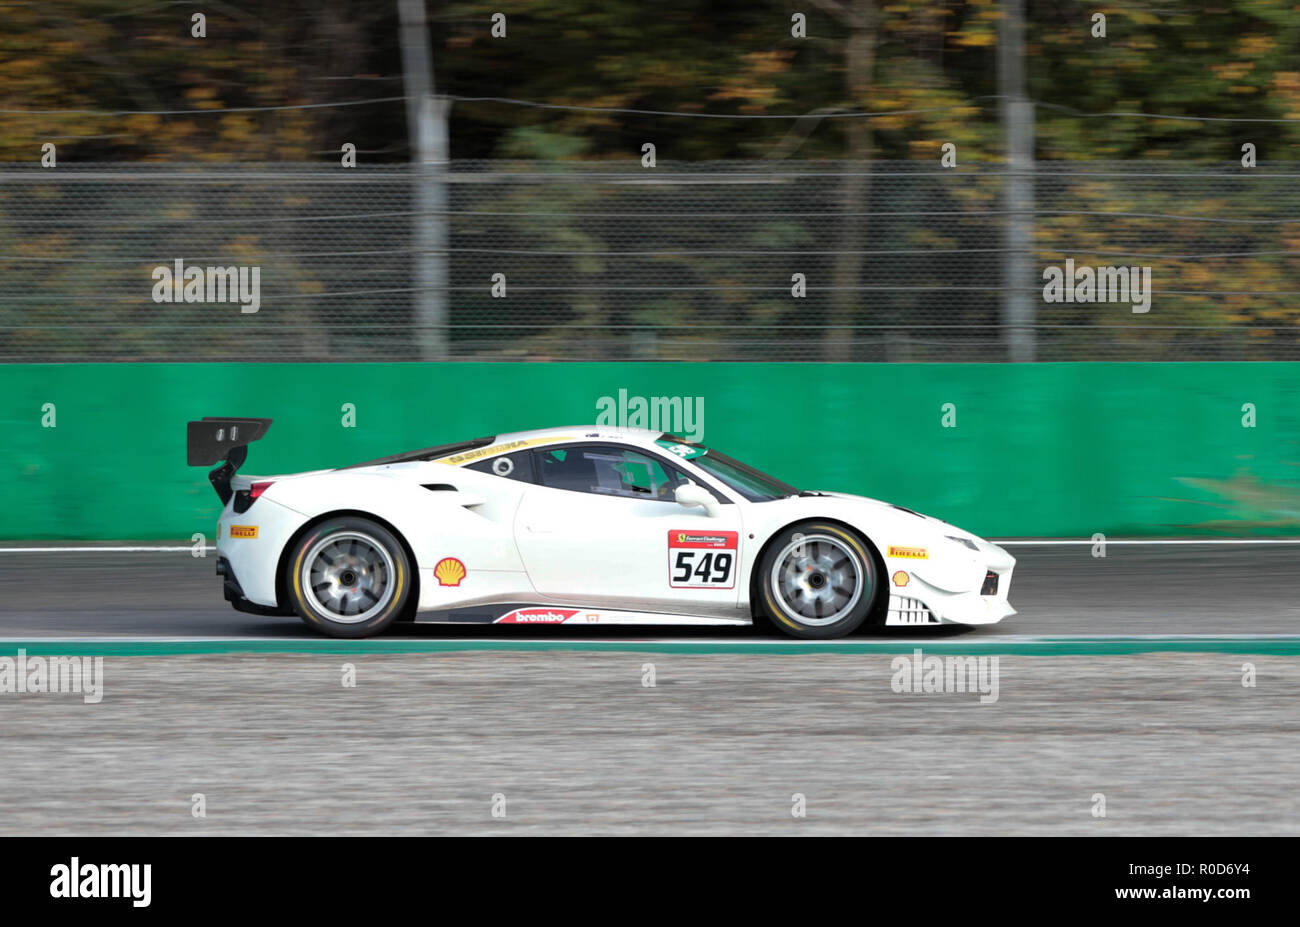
{"points": [[846, 303]]}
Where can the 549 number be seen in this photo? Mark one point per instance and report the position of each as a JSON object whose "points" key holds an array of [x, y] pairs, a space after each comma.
{"points": [[694, 569]]}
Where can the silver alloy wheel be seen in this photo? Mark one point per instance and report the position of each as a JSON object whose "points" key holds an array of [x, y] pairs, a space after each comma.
{"points": [[348, 576], [817, 579]]}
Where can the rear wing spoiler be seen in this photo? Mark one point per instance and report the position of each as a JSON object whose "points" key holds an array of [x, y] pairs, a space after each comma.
{"points": [[225, 441]]}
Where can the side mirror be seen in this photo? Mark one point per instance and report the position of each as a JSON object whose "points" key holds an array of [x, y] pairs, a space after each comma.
{"points": [[689, 495]]}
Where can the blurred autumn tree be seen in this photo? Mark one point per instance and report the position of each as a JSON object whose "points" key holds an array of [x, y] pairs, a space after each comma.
{"points": [[107, 55], [731, 58], [926, 67], [738, 57], [1233, 59]]}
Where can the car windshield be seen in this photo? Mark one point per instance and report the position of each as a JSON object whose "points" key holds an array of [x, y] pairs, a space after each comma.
{"points": [[754, 485]]}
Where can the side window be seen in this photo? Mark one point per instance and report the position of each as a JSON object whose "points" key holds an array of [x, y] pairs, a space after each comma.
{"points": [[610, 471], [516, 466]]}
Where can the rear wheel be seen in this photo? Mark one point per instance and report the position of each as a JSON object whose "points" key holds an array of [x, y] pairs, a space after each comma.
{"points": [[349, 577], [817, 580]]}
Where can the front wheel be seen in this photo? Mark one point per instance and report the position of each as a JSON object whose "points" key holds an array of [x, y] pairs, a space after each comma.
{"points": [[349, 577], [817, 580]]}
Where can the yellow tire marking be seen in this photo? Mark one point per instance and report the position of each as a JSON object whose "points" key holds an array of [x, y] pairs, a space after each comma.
{"points": [[302, 599], [767, 585], [401, 580], [297, 587]]}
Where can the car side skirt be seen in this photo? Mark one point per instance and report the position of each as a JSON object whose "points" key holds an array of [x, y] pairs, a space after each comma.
{"points": [[533, 614]]}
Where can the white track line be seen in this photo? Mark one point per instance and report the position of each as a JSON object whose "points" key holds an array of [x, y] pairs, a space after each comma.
{"points": [[1153, 543], [1043, 542], [98, 550], [324, 641]]}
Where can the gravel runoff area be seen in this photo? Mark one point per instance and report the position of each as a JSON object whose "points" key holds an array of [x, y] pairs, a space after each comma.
{"points": [[575, 743]]}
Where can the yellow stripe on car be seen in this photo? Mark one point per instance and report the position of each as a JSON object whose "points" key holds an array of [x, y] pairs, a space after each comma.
{"points": [[492, 450]]}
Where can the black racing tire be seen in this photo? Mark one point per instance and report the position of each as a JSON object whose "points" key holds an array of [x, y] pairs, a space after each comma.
{"points": [[818, 580], [349, 577]]}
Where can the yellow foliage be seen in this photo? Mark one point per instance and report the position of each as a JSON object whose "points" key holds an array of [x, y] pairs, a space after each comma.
{"points": [[1253, 46], [974, 39]]}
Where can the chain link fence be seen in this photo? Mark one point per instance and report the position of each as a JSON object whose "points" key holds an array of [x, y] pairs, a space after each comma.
{"points": [[612, 261]]}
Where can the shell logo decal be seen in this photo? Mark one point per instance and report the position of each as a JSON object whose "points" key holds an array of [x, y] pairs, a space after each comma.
{"points": [[449, 571], [901, 578]]}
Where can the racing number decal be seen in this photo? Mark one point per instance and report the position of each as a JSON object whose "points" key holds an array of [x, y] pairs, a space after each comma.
{"points": [[702, 559]]}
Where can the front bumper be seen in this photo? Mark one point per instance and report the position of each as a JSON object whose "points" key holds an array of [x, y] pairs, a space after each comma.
{"points": [[922, 603]]}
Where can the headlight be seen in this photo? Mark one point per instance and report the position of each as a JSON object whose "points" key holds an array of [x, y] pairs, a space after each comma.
{"points": [[966, 541]]}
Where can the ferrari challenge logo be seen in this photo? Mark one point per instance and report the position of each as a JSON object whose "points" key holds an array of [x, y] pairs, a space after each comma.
{"points": [[909, 553], [702, 561], [449, 571], [727, 539]]}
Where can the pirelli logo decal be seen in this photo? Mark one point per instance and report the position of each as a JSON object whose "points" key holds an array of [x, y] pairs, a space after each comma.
{"points": [[909, 553], [493, 449], [243, 531]]}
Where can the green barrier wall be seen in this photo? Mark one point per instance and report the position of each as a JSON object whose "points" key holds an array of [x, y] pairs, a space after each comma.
{"points": [[1037, 450]]}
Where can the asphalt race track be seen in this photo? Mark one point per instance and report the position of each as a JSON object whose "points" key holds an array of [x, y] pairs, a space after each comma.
{"points": [[1120, 681], [1058, 590]]}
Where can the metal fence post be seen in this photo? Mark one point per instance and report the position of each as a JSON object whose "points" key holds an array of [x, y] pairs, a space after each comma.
{"points": [[1018, 312], [426, 118]]}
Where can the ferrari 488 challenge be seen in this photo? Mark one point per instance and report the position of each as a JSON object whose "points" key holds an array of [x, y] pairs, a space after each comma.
{"points": [[582, 525]]}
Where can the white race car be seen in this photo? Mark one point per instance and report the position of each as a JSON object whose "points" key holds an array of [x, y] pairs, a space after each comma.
{"points": [[583, 525]]}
